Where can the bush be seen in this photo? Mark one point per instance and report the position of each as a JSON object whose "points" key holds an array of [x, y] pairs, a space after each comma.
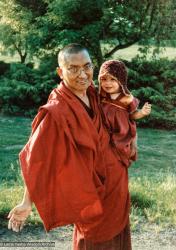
{"points": [[4, 67], [154, 82], [23, 89]]}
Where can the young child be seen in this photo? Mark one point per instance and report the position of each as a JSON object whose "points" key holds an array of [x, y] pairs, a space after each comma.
{"points": [[120, 109]]}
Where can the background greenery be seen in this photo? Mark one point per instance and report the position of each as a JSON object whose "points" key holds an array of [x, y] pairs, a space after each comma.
{"points": [[35, 31], [23, 89]]}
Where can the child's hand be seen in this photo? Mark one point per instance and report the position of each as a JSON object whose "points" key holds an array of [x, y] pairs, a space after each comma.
{"points": [[146, 109]]}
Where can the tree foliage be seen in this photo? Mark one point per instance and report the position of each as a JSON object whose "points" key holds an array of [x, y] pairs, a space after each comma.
{"points": [[43, 27], [15, 29]]}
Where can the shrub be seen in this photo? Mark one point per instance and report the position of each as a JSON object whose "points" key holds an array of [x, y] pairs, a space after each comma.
{"points": [[4, 67], [154, 82], [23, 89]]}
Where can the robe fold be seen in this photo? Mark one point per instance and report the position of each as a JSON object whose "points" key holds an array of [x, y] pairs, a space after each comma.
{"points": [[121, 241], [70, 170]]}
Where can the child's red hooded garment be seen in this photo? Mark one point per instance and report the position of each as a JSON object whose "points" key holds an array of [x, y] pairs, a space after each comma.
{"points": [[121, 127], [116, 114], [71, 173]]}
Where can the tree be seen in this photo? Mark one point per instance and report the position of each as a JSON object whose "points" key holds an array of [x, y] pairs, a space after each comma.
{"points": [[104, 26], [16, 29], [116, 23]]}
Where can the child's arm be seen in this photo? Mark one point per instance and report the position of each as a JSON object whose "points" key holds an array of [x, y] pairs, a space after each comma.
{"points": [[138, 114]]}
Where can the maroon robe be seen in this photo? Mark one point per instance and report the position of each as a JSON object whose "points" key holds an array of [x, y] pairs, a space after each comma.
{"points": [[72, 173]]}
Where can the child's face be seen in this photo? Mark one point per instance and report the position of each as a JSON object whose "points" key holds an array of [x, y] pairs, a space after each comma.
{"points": [[110, 84]]}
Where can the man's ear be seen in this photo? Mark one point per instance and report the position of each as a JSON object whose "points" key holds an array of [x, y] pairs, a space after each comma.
{"points": [[59, 72]]}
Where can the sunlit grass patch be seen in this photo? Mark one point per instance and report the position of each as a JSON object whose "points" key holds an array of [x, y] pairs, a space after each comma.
{"points": [[153, 201], [132, 51]]}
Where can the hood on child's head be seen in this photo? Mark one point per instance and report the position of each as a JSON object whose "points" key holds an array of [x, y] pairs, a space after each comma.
{"points": [[118, 70]]}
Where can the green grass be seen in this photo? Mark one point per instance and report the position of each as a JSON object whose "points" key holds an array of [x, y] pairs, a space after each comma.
{"points": [[152, 177], [13, 135], [156, 153], [153, 202], [126, 54], [132, 51]]}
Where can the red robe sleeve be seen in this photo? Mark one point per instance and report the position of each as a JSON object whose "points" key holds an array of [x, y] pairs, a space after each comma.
{"points": [[133, 105], [58, 181]]}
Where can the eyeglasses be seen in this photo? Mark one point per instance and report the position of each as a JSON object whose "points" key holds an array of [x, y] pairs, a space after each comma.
{"points": [[77, 70]]}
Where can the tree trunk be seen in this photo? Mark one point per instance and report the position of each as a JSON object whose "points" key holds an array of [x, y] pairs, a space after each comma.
{"points": [[23, 57], [121, 46], [98, 58], [99, 55]]}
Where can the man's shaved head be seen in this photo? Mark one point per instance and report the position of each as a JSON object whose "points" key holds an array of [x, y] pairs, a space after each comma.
{"points": [[73, 48]]}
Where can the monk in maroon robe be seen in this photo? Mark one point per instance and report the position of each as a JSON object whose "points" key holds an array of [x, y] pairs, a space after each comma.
{"points": [[71, 172]]}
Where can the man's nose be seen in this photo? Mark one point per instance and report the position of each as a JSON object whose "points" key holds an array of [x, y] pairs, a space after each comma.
{"points": [[82, 74]]}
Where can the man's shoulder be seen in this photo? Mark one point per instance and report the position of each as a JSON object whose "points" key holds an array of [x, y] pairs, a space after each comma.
{"points": [[54, 96], [55, 100], [55, 108], [93, 91]]}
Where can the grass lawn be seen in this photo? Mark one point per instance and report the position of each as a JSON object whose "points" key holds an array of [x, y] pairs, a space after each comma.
{"points": [[132, 51], [152, 177], [126, 54]]}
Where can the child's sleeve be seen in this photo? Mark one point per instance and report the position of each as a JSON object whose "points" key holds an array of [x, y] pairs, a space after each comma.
{"points": [[133, 106]]}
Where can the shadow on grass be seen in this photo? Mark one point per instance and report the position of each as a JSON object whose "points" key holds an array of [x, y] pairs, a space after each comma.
{"points": [[141, 201]]}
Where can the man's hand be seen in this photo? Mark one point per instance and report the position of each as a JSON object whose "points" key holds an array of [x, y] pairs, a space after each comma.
{"points": [[146, 109], [133, 147], [18, 215], [133, 151]]}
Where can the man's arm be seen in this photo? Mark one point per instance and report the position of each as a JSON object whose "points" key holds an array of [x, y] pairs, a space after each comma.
{"points": [[19, 214], [26, 197]]}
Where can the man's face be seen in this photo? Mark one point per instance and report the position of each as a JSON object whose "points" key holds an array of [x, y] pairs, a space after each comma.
{"points": [[77, 71]]}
